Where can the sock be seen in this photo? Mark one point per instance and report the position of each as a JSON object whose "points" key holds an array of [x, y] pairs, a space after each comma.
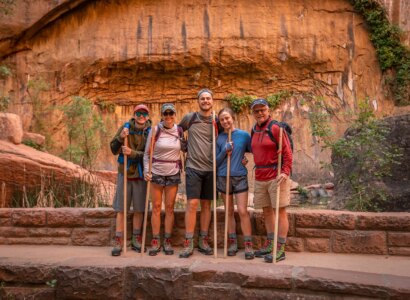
{"points": [[136, 232], [271, 235], [281, 240], [167, 235], [189, 235], [119, 234], [203, 233], [156, 236], [232, 235], [247, 238]]}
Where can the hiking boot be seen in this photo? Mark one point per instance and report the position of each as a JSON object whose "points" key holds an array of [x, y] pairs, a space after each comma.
{"points": [[155, 247], [280, 254], [188, 248], [249, 251], [233, 246], [117, 249], [136, 242], [203, 246], [266, 249], [168, 247]]}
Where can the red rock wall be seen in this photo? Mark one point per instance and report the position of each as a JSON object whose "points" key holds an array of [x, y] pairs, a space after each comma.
{"points": [[128, 52], [311, 231]]}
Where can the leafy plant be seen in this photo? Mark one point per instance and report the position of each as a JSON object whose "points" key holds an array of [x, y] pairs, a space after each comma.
{"points": [[32, 144], [391, 53], [238, 103], [276, 99], [302, 191], [84, 129], [52, 283], [4, 103], [4, 71]]}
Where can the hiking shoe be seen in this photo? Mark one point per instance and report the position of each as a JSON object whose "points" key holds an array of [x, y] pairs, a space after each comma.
{"points": [[117, 249], [280, 254], [266, 249], [188, 248], [155, 247], [232, 247], [136, 242], [204, 247], [249, 251], [168, 247]]}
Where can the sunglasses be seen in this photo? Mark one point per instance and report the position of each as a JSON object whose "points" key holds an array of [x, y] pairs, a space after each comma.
{"points": [[140, 113], [168, 113], [262, 110]]}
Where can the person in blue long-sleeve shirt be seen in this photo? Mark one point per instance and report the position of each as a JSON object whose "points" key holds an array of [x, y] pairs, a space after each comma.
{"points": [[238, 183]]}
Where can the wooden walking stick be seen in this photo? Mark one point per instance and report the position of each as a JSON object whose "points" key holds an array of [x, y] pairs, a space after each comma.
{"points": [[125, 192], [275, 238], [151, 152], [214, 183], [228, 174]]}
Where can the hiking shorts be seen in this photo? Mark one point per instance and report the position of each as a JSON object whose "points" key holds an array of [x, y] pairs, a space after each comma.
{"points": [[166, 180], [265, 194], [136, 191], [199, 184], [237, 184]]}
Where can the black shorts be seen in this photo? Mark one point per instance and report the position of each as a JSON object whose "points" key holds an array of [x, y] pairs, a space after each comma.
{"points": [[237, 184], [199, 184], [166, 180]]}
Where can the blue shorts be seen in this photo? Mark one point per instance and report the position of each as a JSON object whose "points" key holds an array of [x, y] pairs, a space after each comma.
{"points": [[237, 184], [199, 184]]}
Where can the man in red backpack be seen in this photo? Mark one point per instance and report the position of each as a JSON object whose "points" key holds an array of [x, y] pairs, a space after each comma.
{"points": [[265, 152]]}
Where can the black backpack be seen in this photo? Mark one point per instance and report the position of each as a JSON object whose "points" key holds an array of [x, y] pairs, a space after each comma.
{"points": [[284, 125]]}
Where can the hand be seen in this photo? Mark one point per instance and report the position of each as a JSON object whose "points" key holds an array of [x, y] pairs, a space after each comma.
{"points": [[229, 148], [282, 177], [126, 150], [124, 133], [148, 177], [244, 161]]}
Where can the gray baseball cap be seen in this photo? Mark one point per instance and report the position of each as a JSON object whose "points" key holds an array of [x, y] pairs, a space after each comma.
{"points": [[168, 106]]}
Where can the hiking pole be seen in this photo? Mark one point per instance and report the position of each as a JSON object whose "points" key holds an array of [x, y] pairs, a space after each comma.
{"points": [[214, 182], [275, 238], [127, 125], [151, 152], [228, 174]]}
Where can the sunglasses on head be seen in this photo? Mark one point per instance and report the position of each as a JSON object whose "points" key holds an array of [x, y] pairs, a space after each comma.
{"points": [[168, 113], [141, 113]]}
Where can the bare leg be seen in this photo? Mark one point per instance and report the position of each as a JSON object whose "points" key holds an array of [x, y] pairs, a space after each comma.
{"points": [[190, 215], [242, 201], [268, 213], [170, 195], [205, 214], [231, 216], [283, 222], [156, 195]]}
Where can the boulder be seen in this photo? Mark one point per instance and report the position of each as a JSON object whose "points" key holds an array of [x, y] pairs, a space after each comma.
{"points": [[36, 138], [11, 128]]}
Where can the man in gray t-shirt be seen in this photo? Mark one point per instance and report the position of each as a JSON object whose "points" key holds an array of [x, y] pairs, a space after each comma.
{"points": [[199, 173]]}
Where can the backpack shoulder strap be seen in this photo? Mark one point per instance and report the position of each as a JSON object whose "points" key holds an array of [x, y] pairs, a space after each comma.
{"points": [[157, 133], [180, 132], [192, 120], [269, 129]]}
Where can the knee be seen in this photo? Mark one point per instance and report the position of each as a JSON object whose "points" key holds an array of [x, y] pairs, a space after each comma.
{"points": [[205, 205], [243, 212], [156, 208], [169, 210], [192, 206]]}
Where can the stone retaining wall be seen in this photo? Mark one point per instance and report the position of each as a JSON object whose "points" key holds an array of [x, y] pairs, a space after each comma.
{"points": [[310, 230]]}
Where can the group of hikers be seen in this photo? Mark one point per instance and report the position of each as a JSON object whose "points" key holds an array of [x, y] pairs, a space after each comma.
{"points": [[164, 175]]}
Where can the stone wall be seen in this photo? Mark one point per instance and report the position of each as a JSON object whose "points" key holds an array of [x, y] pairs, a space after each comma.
{"points": [[310, 230]]}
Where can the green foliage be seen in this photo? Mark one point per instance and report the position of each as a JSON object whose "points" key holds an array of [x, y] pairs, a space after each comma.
{"points": [[4, 103], [392, 54], [239, 104], [32, 144], [84, 129], [365, 150], [275, 100], [302, 191], [4, 71], [6, 7], [106, 106], [52, 283]]}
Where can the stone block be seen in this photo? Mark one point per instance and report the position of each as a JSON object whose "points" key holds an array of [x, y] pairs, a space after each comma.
{"points": [[97, 222], [34, 137], [90, 237], [5, 213], [38, 241], [294, 244], [65, 217], [19, 292], [325, 219], [317, 245], [402, 251], [398, 239], [50, 232], [365, 242], [14, 231], [385, 221], [313, 232], [28, 217], [5, 221], [99, 213]]}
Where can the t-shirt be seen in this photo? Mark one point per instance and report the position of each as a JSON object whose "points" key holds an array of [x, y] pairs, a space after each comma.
{"points": [[241, 144], [265, 152], [166, 149], [199, 155]]}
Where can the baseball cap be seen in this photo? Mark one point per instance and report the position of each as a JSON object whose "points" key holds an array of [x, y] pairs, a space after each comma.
{"points": [[204, 91], [141, 107], [259, 101], [168, 106]]}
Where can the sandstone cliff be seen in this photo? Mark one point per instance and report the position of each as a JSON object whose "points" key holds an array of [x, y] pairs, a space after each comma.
{"points": [[120, 53]]}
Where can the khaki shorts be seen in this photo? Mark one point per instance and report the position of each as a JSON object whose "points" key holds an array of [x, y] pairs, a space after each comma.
{"points": [[265, 194]]}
